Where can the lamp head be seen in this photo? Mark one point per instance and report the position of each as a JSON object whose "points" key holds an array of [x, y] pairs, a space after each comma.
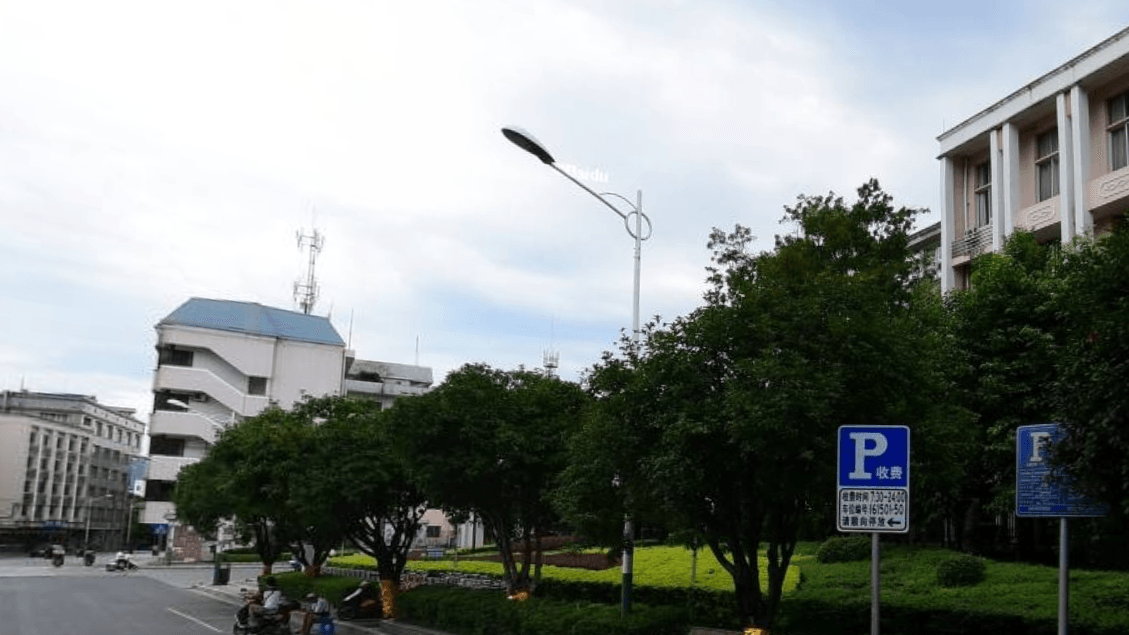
{"points": [[527, 142]]}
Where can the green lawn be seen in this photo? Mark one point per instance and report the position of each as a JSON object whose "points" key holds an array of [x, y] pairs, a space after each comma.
{"points": [[654, 566], [1099, 600]]}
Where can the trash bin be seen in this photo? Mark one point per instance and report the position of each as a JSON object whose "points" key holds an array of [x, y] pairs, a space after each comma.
{"points": [[221, 575]]}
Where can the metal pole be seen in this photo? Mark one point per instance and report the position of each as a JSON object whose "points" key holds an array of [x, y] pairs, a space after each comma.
{"points": [[628, 527], [875, 582], [1063, 577], [86, 539]]}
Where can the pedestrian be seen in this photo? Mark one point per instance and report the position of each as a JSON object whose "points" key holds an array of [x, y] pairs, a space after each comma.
{"points": [[317, 610]]}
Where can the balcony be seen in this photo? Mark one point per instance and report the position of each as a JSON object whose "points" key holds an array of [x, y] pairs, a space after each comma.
{"points": [[200, 380], [166, 468], [974, 242], [182, 424], [1110, 191]]}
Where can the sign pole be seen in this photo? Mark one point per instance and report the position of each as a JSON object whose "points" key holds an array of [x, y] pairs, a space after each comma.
{"points": [[875, 581], [1063, 577]]}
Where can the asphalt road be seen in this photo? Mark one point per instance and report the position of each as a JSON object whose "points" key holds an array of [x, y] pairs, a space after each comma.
{"points": [[37, 598]]}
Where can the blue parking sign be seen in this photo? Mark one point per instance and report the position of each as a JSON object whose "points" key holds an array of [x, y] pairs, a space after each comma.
{"points": [[874, 456], [873, 493]]}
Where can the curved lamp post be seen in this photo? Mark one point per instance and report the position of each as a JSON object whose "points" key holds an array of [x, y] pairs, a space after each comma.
{"points": [[527, 142]]}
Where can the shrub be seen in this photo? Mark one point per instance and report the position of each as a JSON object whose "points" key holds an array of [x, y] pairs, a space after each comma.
{"points": [[962, 570], [843, 549], [460, 610]]}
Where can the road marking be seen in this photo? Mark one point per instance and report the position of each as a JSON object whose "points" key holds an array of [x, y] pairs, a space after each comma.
{"points": [[189, 617]]}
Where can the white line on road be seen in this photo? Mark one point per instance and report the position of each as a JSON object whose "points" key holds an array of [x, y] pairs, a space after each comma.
{"points": [[189, 617]]}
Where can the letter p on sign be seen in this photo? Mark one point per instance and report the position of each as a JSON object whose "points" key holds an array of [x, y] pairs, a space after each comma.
{"points": [[866, 444]]}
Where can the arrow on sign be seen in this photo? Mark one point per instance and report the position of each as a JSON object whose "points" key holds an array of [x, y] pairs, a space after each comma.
{"points": [[893, 523]]}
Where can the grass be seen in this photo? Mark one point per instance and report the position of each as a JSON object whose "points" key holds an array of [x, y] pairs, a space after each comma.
{"points": [[1098, 599], [654, 566]]}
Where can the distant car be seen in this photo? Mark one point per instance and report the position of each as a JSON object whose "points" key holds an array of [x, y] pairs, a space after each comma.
{"points": [[40, 551]]}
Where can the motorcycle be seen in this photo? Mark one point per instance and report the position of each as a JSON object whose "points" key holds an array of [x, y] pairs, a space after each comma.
{"points": [[362, 603], [88, 558], [58, 555], [121, 563]]}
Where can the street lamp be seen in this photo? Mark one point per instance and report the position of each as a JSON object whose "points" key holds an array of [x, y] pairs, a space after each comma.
{"points": [[527, 142], [89, 504]]}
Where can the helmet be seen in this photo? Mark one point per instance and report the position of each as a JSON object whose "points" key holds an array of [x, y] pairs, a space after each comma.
{"points": [[311, 596]]}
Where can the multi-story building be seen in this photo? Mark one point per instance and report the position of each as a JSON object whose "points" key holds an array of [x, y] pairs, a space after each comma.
{"points": [[385, 381], [66, 476], [1051, 158], [218, 362]]}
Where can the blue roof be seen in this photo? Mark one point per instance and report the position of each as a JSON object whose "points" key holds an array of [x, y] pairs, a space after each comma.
{"points": [[255, 319]]}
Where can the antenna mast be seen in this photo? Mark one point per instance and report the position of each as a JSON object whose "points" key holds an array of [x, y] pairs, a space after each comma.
{"points": [[306, 289], [551, 359]]}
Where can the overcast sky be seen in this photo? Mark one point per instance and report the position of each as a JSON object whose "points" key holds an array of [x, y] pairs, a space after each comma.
{"points": [[154, 151]]}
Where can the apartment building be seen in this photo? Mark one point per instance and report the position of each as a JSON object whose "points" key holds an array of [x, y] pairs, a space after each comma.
{"points": [[218, 362], [1051, 158], [66, 476]]}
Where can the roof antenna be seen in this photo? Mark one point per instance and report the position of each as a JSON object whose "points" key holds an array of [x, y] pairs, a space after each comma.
{"points": [[550, 358], [306, 289]]}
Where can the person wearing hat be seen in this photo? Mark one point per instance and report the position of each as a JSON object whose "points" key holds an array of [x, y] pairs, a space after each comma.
{"points": [[317, 609]]}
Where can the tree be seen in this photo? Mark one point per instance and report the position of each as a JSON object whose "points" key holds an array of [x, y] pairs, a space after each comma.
{"points": [[363, 485], [492, 443], [731, 411], [1093, 371], [1007, 328], [249, 473]]}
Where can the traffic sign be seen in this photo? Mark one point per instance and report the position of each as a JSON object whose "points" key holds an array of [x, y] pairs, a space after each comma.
{"points": [[1038, 490], [873, 492]]}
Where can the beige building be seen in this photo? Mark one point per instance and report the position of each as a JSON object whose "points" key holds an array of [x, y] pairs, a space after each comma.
{"points": [[66, 470], [218, 362], [1052, 158]]}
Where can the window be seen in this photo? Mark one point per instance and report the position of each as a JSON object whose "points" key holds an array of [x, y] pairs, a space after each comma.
{"points": [[1046, 164], [256, 385], [166, 446], [984, 194], [1119, 132], [172, 356], [433, 531]]}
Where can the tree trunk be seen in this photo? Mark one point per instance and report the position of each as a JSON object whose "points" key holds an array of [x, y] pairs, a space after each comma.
{"points": [[389, 592]]}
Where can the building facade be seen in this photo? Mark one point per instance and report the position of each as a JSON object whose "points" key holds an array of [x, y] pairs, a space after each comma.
{"points": [[1051, 158], [67, 462], [219, 362], [384, 382]]}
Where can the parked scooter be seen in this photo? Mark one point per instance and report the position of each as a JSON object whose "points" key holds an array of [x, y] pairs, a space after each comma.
{"points": [[58, 555], [88, 557], [363, 603]]}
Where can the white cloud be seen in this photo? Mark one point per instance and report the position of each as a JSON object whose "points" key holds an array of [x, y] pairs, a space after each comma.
{"points": [[152, 152]]}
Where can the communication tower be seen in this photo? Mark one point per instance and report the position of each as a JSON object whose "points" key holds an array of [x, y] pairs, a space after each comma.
{"points": [[306, 289]]}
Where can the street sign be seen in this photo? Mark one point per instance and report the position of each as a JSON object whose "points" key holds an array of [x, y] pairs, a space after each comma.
{"points": [[873, 491], [1037, 494], [160, 529]]}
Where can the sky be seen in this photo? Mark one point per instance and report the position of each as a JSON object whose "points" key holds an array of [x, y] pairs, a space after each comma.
{"points": [[151, 152]]}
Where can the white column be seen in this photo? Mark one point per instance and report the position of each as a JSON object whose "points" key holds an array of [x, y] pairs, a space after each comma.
{"points": [[1010, 183], [1080, 130], [948, 224], [996, 193], [1065, 170]]}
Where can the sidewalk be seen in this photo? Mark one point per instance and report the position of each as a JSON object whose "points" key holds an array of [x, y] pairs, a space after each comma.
{"points": [[231, 593]]}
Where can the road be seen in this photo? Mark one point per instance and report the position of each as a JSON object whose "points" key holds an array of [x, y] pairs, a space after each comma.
{"points": [[37, 598]]}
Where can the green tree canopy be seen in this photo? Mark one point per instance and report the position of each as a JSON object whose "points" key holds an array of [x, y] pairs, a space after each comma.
{"points": [[730, 413], [492, 443]]}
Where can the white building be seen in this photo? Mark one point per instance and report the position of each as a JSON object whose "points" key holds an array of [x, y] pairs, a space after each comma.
{"points": [[218, 362], [66, 463], [385, 381], [1052, 158]]}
